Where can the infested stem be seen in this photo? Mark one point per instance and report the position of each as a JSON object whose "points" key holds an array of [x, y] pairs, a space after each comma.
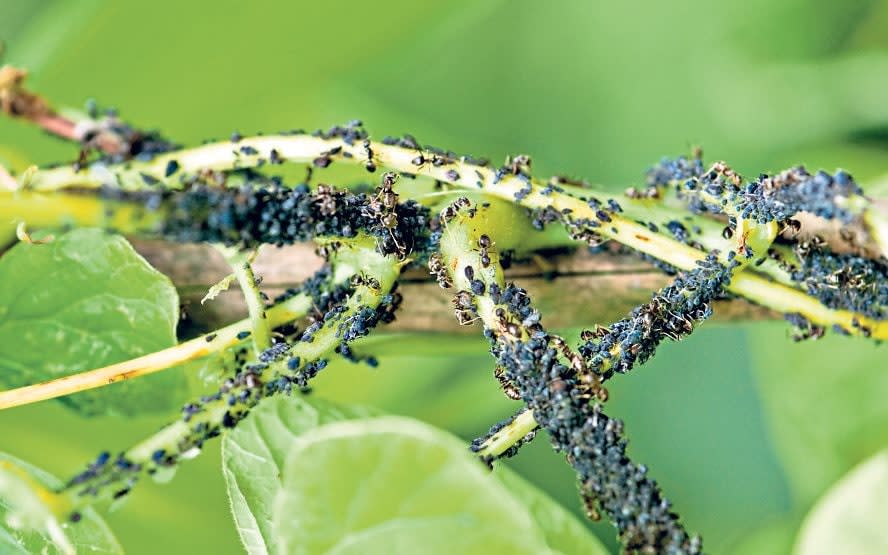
{"points": [[345, 264], [566, 198], [278, 369], [107, 135], [559, 393], [529, 193]]}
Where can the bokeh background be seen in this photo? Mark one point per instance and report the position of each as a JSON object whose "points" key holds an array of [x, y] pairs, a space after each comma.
{"points": [[744, 429]]}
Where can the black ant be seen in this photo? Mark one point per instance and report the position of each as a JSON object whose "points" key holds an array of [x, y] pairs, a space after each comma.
{"points": [[791, 227], [369, 164], [453, 209], [509, 388], [464, 308], [383, 206], [326, 199], [439, 270]]}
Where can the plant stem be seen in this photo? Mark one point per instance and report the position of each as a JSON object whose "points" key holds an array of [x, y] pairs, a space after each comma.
{"points": [[212, 414], [509, 435], [216, 342], [461, 173], [240, 262], [64, 209], [559, 394]]}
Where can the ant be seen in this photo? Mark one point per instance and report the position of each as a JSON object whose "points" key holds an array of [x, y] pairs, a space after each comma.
{"points": [[453, 209], [518, 164], [464, 308], [790, 227], [420, 160], [438, 269], [509, 389], [370, 165], [383, 205], [326, 199]]}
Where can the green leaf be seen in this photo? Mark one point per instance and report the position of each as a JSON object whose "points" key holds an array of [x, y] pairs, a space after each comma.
{"points": [[25, 501], [824, 404], [850, 518], [83, 301], [396, 485], [253, 456], [562, 531]]}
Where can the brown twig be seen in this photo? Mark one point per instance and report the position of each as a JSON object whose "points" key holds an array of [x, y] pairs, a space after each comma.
{"points": [[18, 102], [603, 286]]}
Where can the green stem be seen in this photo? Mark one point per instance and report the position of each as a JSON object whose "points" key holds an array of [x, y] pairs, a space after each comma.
{"points": [[304, 149], [250, 152], [240, 262], [459, 249], [184, 438], [509, 435], [63, 209], [215, 342]]}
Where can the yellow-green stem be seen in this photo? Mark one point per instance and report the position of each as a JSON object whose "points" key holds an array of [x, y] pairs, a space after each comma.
{"points": [[460, 173], [509, 435], [240, 262], [215, 342]]}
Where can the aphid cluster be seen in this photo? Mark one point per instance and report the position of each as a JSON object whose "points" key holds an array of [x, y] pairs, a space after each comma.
{"points": [[561, 386], [672, 313], [675, 169], [249, 216], [276, 370], [843, 281], [850, 281], [118, 142], [564, 396], [765, 199]]}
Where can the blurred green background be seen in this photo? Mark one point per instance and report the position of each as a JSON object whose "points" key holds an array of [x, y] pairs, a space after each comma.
{"points": [[744, 429]]}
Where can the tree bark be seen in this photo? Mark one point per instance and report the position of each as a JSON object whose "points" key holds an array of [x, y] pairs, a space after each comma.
{"points": [[571, 290]]}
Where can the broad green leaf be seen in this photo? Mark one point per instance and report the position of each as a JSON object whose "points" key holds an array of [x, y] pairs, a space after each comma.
{"points": [[83, 301], [395, 485], [562, 530], [253, 456], [254, 453], [850, 518], [824, 404], [25, 504]]}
